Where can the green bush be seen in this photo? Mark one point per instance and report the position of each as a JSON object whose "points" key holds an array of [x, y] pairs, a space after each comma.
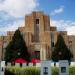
{"points": [[71, 70], [36, 70], [25, 70], [55, 71]]}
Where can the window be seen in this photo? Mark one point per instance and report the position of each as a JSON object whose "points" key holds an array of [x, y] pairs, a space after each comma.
{"points": [[36, 31], [52, 39], [37, 21], [70, 42], [52, 44]]}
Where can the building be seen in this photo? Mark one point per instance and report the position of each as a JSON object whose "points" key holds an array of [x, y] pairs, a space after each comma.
{"points": [[40, 36]]}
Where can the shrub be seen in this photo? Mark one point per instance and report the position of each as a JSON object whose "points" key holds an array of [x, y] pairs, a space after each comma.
{"points": [[24, 70], [55, 71], [36, 70], [71, 70]]}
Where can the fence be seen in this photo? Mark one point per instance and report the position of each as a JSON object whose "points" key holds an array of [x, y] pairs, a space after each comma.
{"points": [[36, 64], [44, 66]]}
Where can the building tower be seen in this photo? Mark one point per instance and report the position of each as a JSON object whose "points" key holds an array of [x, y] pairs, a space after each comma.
{"points": [[37, 35]]}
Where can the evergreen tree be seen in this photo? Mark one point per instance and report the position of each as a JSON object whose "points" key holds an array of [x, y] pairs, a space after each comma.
{"points": [[17, 48], [61, 52]]}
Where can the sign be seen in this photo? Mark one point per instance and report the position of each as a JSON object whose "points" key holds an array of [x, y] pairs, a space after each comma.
{"points": [[2, 67], [63, 67], [46, 68]]}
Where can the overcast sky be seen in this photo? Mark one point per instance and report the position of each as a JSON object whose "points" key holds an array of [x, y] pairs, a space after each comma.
{"points": [[62, 13]]}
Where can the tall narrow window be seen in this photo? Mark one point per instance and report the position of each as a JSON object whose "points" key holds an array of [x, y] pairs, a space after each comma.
{"points": [[52, 39], [37, 21], [36, 30]]}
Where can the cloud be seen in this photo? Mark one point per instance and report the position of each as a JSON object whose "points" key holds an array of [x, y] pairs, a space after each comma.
{"points": [[8, 22], [18, 7], [6, 19], [57, 10], [71, 30], [64, 25], [12, 13], [12, 27]]}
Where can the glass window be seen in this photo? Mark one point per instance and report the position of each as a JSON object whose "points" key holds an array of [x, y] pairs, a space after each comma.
{"points": [[52, 39], [36, 31], [52, 44], [37, 21]]}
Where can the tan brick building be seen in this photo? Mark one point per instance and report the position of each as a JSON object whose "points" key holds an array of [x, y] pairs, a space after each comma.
{"points": [[40, 36]]}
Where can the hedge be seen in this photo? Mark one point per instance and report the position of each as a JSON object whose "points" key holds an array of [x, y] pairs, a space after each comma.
{"points": [[24, 70], [36, 70]]}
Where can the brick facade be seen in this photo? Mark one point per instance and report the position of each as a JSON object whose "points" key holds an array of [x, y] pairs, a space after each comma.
{"points": [[40, 36]]}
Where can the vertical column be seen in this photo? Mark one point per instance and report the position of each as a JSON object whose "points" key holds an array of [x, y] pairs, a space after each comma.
{"points": [[43, 54]]}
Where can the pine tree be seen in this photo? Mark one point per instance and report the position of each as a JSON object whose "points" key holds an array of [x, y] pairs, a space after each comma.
{"points": [[17, 48], [61, 52], [9, 52]]}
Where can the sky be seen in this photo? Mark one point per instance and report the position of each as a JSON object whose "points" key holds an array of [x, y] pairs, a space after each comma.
{"points": [[61, 12]]}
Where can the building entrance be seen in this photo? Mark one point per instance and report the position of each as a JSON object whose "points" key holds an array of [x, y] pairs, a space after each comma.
{"points": [[37, 54]]}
